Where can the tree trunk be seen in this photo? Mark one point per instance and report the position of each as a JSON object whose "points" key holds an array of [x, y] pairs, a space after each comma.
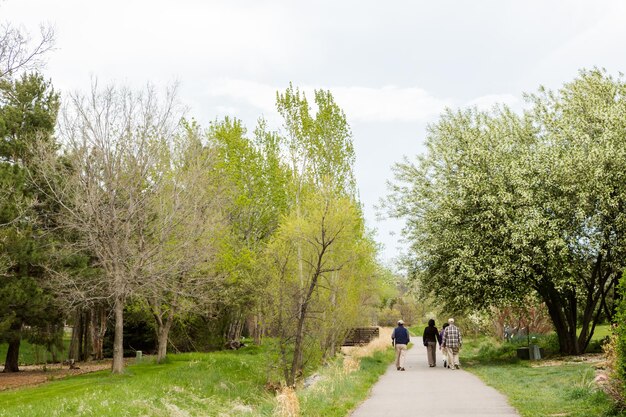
{"points": [[87, 353], [100, 326], [255, 329], [118, 338], [74, 350], [235, 328], [13, 354], [296, 364], [562, 318], [163, 332]]}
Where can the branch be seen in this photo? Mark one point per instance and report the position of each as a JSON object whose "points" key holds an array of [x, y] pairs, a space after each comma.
{"points": [[15, 53]]}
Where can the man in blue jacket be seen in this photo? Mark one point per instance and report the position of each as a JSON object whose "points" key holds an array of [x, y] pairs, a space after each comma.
{"points": [[400, 339]]}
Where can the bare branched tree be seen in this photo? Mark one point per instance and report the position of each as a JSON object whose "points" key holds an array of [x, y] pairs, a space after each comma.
{"points": [[18, 52], [108, 185]]}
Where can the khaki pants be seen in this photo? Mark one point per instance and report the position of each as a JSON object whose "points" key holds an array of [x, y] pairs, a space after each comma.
{"points": [[400, 355], [431, 352], [453, 356]]}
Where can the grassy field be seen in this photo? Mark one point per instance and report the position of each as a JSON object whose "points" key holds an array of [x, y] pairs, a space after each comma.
{"points": [[553, 387], [601, 331], [35, 354], [229, 383], [30, 354], [193, 383]]}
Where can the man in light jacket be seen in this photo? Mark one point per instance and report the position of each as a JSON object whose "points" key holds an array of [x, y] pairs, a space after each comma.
{"points": [[452, 342]]}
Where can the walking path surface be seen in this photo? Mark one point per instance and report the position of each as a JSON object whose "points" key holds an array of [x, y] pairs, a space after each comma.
{"points": [[433, 392]]}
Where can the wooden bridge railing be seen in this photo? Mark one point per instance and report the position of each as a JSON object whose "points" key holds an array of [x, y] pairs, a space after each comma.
{"points": [[360, 336]]}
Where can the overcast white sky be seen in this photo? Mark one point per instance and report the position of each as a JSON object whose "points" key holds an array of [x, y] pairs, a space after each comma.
{"points": [[392, 66]]}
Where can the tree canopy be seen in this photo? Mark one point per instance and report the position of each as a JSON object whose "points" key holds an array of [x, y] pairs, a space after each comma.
{"points": [[504, 205]]}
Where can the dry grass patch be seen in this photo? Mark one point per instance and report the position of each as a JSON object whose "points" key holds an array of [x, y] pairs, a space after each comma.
{"points": [[287, 403], [351, 364]]}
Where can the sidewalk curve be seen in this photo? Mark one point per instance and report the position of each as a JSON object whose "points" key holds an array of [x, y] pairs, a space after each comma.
{"points": [[432, 392]]}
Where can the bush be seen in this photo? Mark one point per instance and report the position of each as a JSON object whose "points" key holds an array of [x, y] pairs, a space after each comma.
{"points": [[618, 345], [614, 386]]}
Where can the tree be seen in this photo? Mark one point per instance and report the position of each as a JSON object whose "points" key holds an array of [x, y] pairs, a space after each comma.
{"points": [[256, 188], [308, 250], [28, 110], [320, 255], [16, 52], [182, 278], [584, 130], [108, 188], [503, 205]]}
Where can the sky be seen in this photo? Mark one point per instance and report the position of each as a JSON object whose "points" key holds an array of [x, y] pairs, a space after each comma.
{"points": [[393, 67]]}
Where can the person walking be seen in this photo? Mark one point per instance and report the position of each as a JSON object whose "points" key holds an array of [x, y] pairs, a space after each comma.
{"points": [[430, 339], [452, 342], [400, 339], [444, 351]]}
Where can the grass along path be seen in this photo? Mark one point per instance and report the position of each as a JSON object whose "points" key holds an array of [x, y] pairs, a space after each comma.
{"points": [[231, 383], [545, 388], [346, 383], [560, 390], [190, 384]]}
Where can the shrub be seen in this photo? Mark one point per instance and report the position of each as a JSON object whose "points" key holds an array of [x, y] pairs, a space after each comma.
{"points": [[614, 386], [619, 344]]}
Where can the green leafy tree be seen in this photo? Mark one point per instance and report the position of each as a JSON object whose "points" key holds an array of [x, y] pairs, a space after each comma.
{"points": [[503, 205], [306, 256], [320, 261], [255, 181], [185, 231], [28, 110]]}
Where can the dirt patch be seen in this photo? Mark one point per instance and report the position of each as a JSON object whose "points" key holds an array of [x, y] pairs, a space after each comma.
{"points": [[38, 374], [596, 359]]}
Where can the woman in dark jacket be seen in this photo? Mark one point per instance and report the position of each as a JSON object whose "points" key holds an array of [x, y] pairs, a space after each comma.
{"points": [[431, 337]]}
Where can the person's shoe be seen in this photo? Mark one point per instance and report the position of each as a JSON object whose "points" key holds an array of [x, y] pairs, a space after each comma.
{"points": [[398, 368], [402, 369], [457, 367]]}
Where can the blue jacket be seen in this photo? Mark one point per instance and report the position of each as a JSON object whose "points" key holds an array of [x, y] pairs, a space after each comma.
{"points": [[400, 335]]}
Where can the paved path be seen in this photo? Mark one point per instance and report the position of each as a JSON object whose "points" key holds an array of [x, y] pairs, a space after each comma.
{"points": [[432, 392]]}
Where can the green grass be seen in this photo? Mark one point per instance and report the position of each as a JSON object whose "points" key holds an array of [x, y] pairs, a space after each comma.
{"points": [[34, 354], [565, 390], [562, 389], [337, 393], [197, 384], [189, 384], [601, 331]]}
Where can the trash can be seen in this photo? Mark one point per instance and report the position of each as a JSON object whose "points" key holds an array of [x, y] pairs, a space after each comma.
{"points": [[523, 353]]}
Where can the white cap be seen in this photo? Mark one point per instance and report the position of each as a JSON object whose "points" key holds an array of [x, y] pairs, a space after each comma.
{"points": [[450, 320], [400, 322]]}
